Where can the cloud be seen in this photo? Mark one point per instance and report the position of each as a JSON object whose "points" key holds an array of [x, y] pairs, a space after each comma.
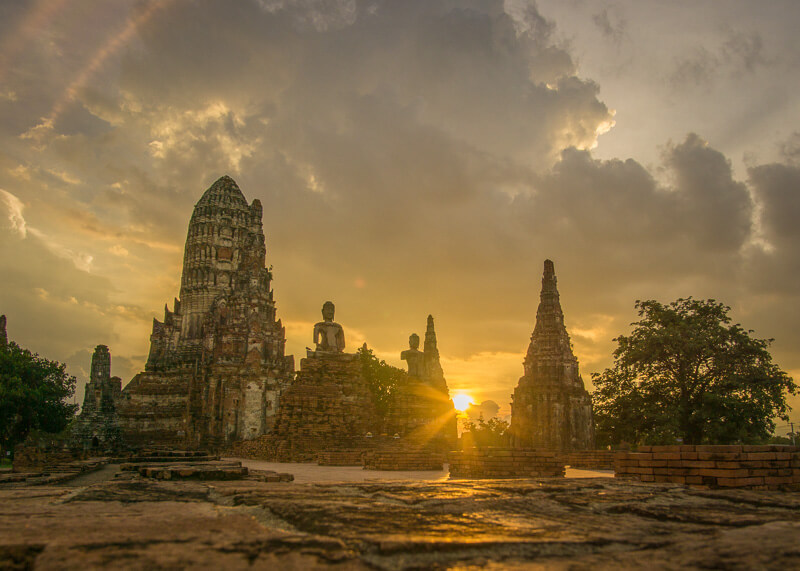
{"points": [[738, 53], [320, 15], [610, 23], [14, 215], [412, 157]]}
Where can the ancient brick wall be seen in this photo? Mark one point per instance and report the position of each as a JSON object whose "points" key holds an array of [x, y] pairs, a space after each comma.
{"points": [[505, 463], [153, 407], [591, 459], [341, 457], [402, 458], [758, 467]]}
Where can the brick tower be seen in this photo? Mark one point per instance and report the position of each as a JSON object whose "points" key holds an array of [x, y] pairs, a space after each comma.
{"points": [[551, 407], [216, 365]]}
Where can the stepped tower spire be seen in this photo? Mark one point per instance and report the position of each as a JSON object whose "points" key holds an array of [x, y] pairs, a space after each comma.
{"points": [[433, 368], [551, 407], [219, 353]]}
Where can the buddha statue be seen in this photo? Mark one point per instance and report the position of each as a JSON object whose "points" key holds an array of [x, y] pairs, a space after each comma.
{"points": [[328, 335], [414, 357]]}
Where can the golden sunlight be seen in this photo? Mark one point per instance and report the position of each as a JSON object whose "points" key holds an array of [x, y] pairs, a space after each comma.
{"points": [[462, 402]]}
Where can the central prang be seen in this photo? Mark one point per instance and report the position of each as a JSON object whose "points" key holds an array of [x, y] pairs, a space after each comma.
{"points": [[328, 335]]}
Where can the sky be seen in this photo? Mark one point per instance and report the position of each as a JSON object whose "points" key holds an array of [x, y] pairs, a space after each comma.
{"points": [[412, 157]]}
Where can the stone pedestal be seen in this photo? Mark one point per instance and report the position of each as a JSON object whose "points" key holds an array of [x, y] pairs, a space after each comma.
{"points": [[328, 406]]}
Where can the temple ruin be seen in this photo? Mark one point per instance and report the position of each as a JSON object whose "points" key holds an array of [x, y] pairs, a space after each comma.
{"points": [[216, 366], [423, 411], [551, 407], [329, 405], [97, 426]]}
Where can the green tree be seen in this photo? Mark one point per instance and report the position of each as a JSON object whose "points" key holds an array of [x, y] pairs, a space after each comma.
{"points": [[383, 379], [483, 433], [685, 373], [33, 395]]}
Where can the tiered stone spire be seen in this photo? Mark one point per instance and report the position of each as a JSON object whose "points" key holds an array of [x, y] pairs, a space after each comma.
{"points": [[3, 334], [551, 407], [433, 368], [221, 347]]}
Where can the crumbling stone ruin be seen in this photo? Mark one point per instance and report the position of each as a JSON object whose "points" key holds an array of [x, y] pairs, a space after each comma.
{"points": [[328, 406], [423, 412], [97, 426], [216, 366], [3, 334], [551, 407]]}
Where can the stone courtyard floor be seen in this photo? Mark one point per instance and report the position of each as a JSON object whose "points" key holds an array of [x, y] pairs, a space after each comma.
{"points": [[311, 473], [423, 523]]}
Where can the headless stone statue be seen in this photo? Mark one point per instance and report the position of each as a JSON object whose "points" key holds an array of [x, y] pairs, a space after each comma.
{"points": [[414, 357], [328, 335]]}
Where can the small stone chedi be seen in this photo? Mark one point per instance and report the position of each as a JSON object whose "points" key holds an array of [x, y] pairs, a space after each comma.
{"points": [[329, 405], [97, 426], [216, 366], [551, 407], [422, 410]]}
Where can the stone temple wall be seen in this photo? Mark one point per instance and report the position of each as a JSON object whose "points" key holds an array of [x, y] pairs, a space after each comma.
{"points": [[216, 366]]}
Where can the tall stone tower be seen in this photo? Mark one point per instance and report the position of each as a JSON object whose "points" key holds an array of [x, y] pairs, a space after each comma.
{"points": [[97, 426], [216, 365], [551, 407]]}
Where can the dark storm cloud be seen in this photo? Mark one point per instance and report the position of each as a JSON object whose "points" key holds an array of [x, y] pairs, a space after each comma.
{"points": [[610, 23], [738, 53], [777, 267]]}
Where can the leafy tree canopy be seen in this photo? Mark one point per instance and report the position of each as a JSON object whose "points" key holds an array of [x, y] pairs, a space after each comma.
{"points": [[33, 394], [383, 379], [484, 433], [685, 373]]}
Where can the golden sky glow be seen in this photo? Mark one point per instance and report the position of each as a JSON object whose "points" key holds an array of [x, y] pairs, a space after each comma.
{"points": [[412, 157]]}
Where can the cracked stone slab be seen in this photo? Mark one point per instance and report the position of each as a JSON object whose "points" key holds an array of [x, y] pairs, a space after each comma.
{"points": [[464, 524]]}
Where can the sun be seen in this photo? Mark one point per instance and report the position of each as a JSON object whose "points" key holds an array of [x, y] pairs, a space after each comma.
{"points": [[462, 402]]}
